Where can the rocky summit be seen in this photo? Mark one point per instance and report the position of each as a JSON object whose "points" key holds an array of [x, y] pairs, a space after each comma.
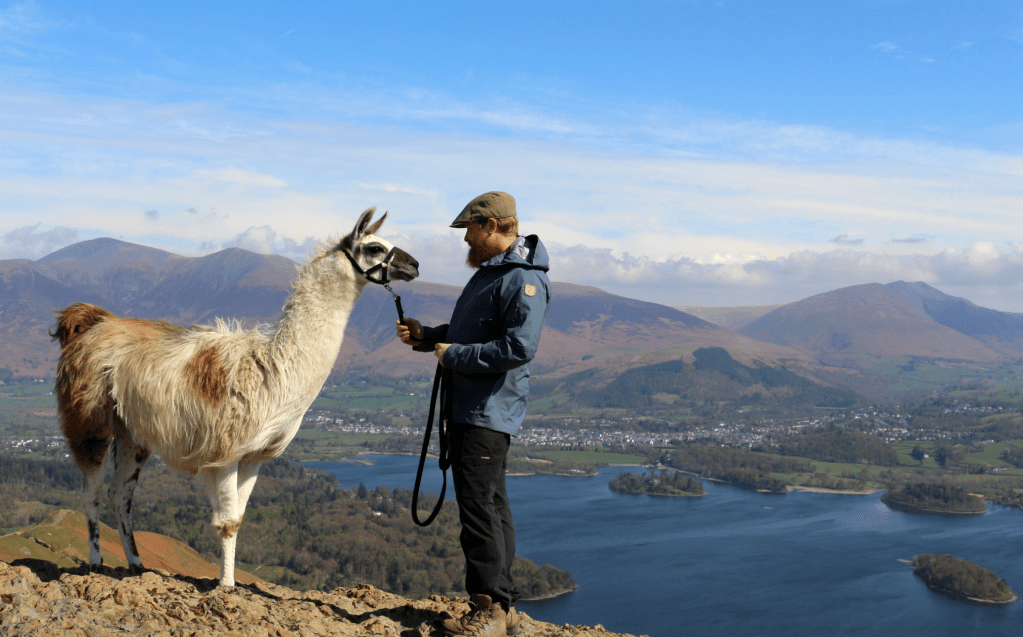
{"points": [[39, 598]]}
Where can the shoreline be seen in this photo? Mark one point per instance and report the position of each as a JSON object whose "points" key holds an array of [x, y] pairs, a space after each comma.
{"points": [[796, 487], [908, 508]]}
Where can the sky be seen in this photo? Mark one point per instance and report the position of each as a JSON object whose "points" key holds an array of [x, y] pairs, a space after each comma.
{"points": [[690, 153]]}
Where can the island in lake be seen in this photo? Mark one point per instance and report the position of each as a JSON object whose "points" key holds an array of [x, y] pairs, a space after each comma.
{"points": [[669, 483], [926, 497], [961, 578]]}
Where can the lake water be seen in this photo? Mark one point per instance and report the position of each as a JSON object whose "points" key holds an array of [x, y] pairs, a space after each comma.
{"points": [[739, 563]]}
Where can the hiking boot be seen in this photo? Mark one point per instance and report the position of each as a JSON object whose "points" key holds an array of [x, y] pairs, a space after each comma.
{"points": [[484, 619]]}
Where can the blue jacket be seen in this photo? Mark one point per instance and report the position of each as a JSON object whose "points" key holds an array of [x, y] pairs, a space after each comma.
{"points": [[494, 332]]}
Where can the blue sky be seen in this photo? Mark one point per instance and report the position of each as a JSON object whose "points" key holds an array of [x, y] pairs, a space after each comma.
{"points": [[689, 153]]}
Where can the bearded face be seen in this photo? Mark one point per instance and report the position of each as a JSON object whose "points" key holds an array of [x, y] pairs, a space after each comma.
{"points": [[483, 245]]}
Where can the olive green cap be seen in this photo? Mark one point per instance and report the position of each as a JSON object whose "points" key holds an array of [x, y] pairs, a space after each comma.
{"points": [[489, 205]]}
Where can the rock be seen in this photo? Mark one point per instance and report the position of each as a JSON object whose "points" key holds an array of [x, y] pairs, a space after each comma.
{"points": [[36, 599]]}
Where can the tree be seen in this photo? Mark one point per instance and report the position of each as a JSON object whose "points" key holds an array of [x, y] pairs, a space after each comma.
{"points": [[918, 454], [947, 455]]}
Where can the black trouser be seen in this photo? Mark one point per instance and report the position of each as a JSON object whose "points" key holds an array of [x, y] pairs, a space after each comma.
{"points": [[478, 464]]}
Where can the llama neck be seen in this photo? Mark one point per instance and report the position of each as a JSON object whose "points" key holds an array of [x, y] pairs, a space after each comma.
{"points": [[309, 333]]}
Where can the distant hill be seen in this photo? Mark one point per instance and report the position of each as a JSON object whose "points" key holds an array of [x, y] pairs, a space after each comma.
{"points": [[713, 375], [856, 325], [998, 329], [128, 279], [589, 333], [733, 318]]}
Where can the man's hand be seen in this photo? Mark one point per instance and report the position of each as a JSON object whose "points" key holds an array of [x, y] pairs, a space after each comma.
{"points": [[410, 331], [438, 351]]}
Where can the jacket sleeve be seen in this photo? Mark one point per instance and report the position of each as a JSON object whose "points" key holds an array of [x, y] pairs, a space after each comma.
{"points": [[432, 336], [523, 305]]}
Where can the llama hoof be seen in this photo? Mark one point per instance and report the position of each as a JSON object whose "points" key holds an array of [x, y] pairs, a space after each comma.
{"points": [[95, 568], [136, 569]]}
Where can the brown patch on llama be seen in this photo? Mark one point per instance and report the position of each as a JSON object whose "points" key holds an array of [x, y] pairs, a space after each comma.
{"points": [[207, 375]]}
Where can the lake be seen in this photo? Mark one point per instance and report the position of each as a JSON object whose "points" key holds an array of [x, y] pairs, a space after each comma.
{"points": [[736, 562]]}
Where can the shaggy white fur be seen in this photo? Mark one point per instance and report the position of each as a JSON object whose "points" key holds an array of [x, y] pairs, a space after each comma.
{"points": [[211, 400]]}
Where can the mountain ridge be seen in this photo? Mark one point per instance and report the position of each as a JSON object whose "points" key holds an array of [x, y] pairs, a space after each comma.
{"points": [[846, 330]]}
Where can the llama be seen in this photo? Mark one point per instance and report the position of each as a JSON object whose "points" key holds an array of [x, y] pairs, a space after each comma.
{"points": [[210, 400]]}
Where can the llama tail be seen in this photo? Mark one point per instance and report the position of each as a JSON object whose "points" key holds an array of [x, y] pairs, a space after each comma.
{"points": [[75, 320]]}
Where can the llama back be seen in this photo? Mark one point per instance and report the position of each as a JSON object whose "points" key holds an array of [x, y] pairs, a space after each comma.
{"points": [[200, 397]]}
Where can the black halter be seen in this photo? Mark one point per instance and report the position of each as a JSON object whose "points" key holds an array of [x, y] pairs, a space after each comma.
{"points": [[383, 279], [383, 266]]}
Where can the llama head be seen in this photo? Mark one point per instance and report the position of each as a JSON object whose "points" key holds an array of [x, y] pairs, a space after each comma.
{"points": [[378, 260]]}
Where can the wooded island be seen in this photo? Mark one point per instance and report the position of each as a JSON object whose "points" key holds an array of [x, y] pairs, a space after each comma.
{"points": [[961, 578], [924, 497], [666, 483]]}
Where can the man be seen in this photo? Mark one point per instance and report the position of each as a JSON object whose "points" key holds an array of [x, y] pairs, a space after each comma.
{"points": [[493, 334]]}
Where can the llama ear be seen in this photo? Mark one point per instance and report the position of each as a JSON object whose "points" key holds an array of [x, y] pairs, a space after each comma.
{"points": [[376, 225], [360, 226]]}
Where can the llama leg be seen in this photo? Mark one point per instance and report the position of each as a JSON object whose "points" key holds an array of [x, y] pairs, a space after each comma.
{"points": [[128, 460], [88, 438], [248, 471], [222, 484], [92, 487]]}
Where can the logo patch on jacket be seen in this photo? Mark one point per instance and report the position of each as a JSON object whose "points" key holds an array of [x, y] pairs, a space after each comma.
{"points": [[530, 290]]}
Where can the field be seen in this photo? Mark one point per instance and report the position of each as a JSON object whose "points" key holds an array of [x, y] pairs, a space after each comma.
{"points": [[988, 382], [345, 397]]}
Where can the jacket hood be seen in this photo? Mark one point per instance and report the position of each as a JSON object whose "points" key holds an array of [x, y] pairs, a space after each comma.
{"points": [[526, 252]]}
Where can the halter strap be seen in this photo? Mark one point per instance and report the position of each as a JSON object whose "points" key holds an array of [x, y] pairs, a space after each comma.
{"points": [[383, 266]]}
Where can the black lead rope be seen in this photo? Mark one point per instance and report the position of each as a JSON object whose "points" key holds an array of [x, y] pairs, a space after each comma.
{"points": [[441, 387]]}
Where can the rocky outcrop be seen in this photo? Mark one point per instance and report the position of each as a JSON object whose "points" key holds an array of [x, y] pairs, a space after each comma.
{"points": [[39, 598]]}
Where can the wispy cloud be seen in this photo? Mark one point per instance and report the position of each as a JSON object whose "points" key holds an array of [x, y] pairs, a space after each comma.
{"points": [[886, 47], [245, 177], [845, 240], [909, 240], [22, 18]]}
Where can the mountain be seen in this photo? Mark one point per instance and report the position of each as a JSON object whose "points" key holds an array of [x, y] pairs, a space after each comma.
{"points": [[589, 333], [585, 324], [997, 329], [28, 296], [146, 282], [46, 592], [854, 326]]}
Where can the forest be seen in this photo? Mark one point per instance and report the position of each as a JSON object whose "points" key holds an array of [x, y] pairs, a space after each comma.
{"points": [[840, 444], [956, 576], [301, 528], [664, 483]]}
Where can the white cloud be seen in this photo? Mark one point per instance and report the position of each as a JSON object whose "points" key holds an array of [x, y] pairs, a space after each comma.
{"points": [[753, 210], [32, 243], [973, 272], [261, 240]]}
